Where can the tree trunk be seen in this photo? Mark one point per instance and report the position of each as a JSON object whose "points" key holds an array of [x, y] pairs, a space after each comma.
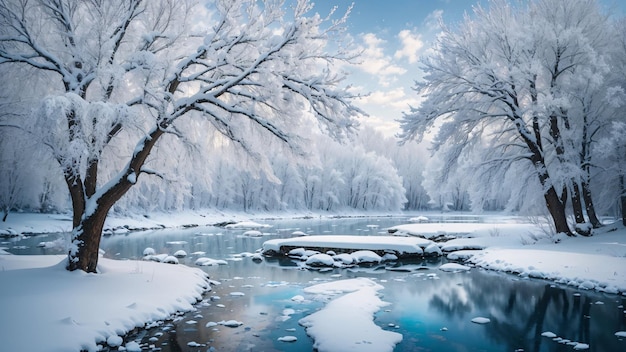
{"points": [[581, 227], [86, 235], [589, 207], [557, 211], [623, 198], [85, 244], [577, 205]]}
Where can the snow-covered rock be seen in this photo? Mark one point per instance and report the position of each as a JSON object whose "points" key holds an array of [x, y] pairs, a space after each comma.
{"points": [[114, 341], [461, 255], [320, 259], [389, 257], [454, 267], [180, 254], [432, 250], [481, 320], [288, 339], [156, 258], [253, 233], [366, 256], [203, 261], [301, 253], [419, 219], [170, 259], [230, 323], [344, 258], [132, 346]]}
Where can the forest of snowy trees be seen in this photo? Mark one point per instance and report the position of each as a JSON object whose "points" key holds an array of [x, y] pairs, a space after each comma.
{"points": [[522, 103], [527, 100], [380, 177]]}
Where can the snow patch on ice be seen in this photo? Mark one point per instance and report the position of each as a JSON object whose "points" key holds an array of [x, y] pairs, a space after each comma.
{"points": [[352, 313]]}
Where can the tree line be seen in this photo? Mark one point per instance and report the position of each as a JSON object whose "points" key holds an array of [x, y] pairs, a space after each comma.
{"points": [[523, 102]]}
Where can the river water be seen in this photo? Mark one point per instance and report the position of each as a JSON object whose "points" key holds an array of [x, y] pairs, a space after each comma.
{"points": [[432, 309]]}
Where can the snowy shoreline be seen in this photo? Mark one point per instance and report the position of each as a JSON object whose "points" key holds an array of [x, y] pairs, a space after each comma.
{"points": [[46, 308], [41, 223]]}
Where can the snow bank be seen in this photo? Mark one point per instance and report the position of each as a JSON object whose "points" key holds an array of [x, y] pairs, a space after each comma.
{"points": [[581, 270], [46, 308], [346, 323]]}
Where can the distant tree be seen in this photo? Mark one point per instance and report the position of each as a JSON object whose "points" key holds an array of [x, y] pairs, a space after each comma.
{"points": [[409, 162], [134, 68], [610, 152], [505, 84]]}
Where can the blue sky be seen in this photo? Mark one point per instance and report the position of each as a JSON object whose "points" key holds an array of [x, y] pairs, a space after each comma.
{"points": [[394, 34]]}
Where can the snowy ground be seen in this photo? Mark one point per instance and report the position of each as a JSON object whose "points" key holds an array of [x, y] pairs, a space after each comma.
{"points": [[597, 262], [45, 308]]}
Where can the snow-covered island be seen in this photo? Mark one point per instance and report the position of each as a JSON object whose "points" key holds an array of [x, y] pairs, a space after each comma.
{"points": [[381, 245]]}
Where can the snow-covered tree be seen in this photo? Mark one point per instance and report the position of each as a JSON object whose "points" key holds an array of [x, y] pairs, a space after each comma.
{"points": [[129, 70], [505, 87], [612, 149]]}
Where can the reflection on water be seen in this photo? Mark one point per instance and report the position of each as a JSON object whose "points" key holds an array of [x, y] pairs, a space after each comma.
{"points": [[431, 309]]}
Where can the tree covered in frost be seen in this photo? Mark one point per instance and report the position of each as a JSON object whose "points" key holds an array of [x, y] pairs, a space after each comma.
{"points": [[609, 154], [514, 92], [128, 75]]}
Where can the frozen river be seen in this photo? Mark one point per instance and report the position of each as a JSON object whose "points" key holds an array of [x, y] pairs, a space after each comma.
{"points": [[432, 309]]}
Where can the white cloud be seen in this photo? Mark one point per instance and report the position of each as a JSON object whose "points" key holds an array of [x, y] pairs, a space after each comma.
{"points": [[375, 62], [396, 99], [386, 106], [433, 19], [412, 43]]}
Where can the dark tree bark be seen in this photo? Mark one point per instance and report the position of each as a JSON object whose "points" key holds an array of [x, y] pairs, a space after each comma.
{"points": [[579, 214], [589, 207], [577, 204], [557, 211], [623, 198], [86, 242]]}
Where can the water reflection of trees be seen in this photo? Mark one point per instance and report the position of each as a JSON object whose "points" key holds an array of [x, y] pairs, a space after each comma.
{"points": [[520, 311]]}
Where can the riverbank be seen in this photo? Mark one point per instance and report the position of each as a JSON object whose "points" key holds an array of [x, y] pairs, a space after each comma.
{"points": [[46, 308], [37, 223]]}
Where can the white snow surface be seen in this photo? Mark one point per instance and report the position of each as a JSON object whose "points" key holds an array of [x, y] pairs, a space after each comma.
{"points": [[46, 308], [346, 323]]}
